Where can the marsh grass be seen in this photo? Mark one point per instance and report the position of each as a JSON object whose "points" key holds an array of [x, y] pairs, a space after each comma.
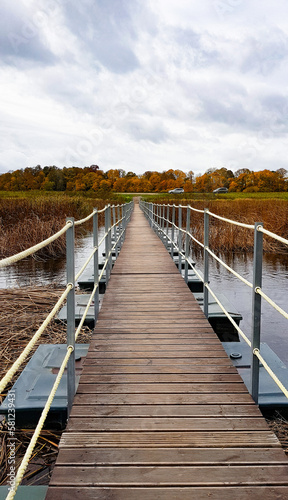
{"points": [[225, 237], [27, 221]]}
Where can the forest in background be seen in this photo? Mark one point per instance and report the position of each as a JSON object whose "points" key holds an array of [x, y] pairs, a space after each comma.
{"points": [[93, 179]]}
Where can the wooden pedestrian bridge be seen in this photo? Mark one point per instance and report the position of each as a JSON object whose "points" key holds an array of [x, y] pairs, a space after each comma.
{"points": [[160, 411]]}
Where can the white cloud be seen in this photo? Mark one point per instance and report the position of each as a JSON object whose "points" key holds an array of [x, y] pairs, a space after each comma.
{"points": [[144, 85]]}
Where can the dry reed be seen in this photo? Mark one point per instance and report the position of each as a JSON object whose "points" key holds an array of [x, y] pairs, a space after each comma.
{"points": [[224, 237], [22, 312], [25, 222]]}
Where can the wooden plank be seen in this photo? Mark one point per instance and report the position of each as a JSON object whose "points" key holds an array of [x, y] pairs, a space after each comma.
{"points": [[91, 368], [185, 476], [238, 492], [110, 423], [94, 358], [147, 388], [128, 347], [218, 353], [184, 410], [158, 378], [166, 456], [181, 439], [163, 399]]}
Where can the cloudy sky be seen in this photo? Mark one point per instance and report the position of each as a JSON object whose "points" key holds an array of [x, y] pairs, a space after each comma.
{"points": [[144, 84]]}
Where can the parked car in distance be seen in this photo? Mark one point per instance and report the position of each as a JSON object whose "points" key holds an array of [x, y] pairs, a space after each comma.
{"points": [[176, 191], [221, 190]]}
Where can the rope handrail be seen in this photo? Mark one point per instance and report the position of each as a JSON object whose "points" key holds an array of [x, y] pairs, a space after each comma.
{"points": [[228, 315], [273, 235], [271, 302], [86, 310], [257, 353], [16, 365], [192, 208], [230, 221], [81, 221], [38, 429], [29, 251], [89, 258]]}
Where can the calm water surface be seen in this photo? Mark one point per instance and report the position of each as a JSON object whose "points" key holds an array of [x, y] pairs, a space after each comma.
{"points": [[275, 285]]}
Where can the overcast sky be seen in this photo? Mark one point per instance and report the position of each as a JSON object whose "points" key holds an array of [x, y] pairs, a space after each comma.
{"points": [[144, 84]]}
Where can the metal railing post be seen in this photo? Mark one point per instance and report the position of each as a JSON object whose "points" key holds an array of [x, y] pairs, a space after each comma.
{"points": [[110, 240], [70, 271], [172, 231], [167, 223], [256, 309], [206, 261], [114, 229], [122, 224], [107, 249], [118, 228], [96, 264], [187, 243], [152, 214], [180, 238]]}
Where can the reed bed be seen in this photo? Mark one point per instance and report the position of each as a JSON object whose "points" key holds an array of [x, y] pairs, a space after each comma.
{"points": [[25, 222], [22, 312], [224, 237]]}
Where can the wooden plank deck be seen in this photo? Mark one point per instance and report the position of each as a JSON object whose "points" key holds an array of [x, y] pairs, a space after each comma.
{"points": [[160, 411]]}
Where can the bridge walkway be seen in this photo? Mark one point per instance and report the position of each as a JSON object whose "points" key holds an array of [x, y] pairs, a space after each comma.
{"points": [[160, 411]]}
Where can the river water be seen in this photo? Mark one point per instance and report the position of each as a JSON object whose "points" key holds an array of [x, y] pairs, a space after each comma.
{"points": [[275, 285]]}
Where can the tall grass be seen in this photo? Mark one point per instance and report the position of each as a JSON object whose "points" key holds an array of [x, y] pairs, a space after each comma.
{"points": [[27, 221], [224, 237]]}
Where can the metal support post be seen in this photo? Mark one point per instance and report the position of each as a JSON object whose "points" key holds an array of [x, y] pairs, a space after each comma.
{"points": [[107, 210], [70, 271], [256, 309], [206, 261], [187, 242], [115, 231], [96, 264], [119, 228], [110, 240], [172, 231], [122, 225], [180, 238], [167, 224]]}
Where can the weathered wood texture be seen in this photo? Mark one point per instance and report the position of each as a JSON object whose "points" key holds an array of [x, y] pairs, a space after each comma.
{"points": [[160, 411]]}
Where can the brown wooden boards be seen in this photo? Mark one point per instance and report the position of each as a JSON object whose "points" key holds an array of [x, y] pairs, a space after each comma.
{"points": [[160, 411]]}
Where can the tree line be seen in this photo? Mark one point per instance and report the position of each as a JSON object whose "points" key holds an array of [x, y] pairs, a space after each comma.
{"points": [[52, 178]]}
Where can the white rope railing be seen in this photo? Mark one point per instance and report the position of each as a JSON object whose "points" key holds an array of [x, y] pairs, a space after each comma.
{"points": [[230, 221], [271, 302], [257, 353], [89, 258], [272, 235], [241, 278], [22, 255], [33, 441]]}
